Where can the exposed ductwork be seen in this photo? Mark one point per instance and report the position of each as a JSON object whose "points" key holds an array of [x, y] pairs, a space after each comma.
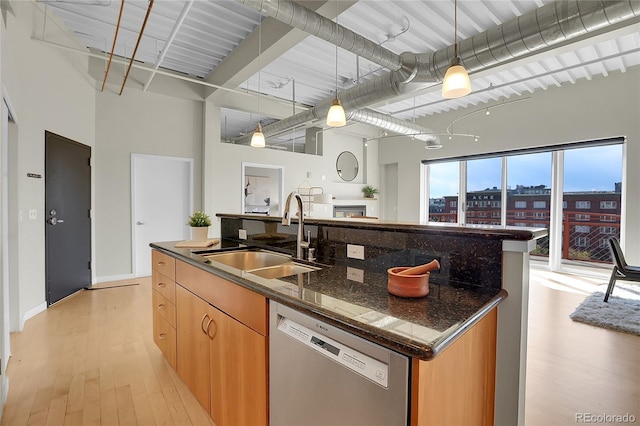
{"points": [[545, 28], [317, 25]]}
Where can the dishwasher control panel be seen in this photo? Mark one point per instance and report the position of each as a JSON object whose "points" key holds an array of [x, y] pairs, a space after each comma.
{"points": [[356, 361]]}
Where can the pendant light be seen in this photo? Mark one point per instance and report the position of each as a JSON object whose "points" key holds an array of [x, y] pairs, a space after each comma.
{"points": [[257, 140], [336, 116], [456, 81]]}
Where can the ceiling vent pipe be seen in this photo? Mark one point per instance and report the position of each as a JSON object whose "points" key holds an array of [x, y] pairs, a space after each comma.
{"points": [[317, 25], [548, 27]]}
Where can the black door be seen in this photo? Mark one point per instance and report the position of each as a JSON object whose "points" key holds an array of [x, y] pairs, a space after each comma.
{"points": [[67, 213]]}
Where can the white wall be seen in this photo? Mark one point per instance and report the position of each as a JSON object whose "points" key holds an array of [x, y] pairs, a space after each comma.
{"points": [[49, 91], [225, 172], [142, 123], [587, 110]]}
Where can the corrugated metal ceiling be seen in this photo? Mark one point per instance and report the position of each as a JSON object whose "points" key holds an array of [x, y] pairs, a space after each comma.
{"points": [[212, 30]]}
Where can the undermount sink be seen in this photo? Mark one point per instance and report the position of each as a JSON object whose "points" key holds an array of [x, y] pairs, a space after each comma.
{"points": [[246, 260], [264, 264], [284, 270]]}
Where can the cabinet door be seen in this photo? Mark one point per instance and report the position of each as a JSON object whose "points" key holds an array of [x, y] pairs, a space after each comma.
{"points": [[192, 317], [238, 373]]}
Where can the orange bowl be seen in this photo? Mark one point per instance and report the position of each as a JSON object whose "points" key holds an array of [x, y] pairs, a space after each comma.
{"points": [[407, 285]]}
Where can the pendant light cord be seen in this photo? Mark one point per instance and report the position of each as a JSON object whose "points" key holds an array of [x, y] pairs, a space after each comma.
{"points": [[259, 63], [337, 28], [455, 28]]}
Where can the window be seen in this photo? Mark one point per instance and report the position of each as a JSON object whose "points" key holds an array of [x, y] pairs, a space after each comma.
{"points": [[608, 219], [495, 214], [608, 204], [608, 230], [539, 204], [521, 205], [583, 217], [539, 215], [583, 204], [495, 204], [603, 243], [453, 204], [453, 211], [582, 242], [564, 205], [521, 214], [483, 203], [583, 229], [519, 224], [483, 214]]}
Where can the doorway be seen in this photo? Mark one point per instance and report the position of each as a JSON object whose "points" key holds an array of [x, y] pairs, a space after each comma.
{"points": [[68, 217], [162, 200]]}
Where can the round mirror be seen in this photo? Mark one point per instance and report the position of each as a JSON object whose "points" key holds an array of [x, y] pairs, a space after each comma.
{"points": [[347, 166]]}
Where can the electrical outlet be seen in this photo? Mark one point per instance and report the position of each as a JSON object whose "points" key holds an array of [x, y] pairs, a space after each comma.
{"points": [[355, 252], [355, 274], [242, 234], [33, 214]]}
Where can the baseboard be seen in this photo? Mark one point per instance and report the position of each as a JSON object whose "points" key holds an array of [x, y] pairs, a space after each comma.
{"points": [[5, 392], [114, 278], [32, 313]]}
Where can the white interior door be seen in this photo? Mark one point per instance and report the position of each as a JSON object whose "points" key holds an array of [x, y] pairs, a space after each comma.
{"points": [[162, 192]]}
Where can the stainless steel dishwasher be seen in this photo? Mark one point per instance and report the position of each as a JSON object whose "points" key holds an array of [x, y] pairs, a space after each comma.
{"points": [[322, 375]]}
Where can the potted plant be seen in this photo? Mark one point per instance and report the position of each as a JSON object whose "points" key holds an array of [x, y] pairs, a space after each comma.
{"points": [[369, 191], [199, 223]]}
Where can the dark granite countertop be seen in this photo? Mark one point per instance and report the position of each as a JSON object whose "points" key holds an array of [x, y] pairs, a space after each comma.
{"points": [[433, 228], [357, 300]]}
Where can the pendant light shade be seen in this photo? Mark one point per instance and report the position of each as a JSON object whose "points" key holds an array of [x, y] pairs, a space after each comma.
{"points": [[257, 140], [456, 81], [336, 116]]}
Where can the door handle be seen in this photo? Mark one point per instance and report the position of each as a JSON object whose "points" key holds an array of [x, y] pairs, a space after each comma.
{"points": [[140, 223], [54, 221]]}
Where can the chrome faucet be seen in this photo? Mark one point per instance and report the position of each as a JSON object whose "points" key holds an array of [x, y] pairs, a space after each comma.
{"points": [[286, 221]]}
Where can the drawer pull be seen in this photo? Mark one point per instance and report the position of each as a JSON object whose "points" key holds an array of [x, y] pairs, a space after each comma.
{"points": [[161, 263], [202, 323], [162, 336], [161, 306], [215, 328], [163, 285]]}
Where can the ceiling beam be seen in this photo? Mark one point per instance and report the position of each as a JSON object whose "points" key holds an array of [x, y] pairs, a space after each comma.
{"points": [[277, 39]]}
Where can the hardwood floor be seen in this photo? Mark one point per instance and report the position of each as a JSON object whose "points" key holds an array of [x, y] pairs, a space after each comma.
{"points": [[91, 360], [575, 368]]}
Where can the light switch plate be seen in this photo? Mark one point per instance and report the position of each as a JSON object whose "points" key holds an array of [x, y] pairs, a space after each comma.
{"points": [[242, 234], [355, 251], [33, 214]]}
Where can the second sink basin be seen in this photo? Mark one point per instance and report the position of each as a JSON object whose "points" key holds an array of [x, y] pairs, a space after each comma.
{"points": [[247, 260], [283, 270]]}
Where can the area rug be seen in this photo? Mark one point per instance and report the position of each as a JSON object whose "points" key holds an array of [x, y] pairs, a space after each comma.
{"points": [[620, 313]]}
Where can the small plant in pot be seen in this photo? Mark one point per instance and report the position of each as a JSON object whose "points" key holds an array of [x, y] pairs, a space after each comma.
{"points": [[199, 223], [369, 191]]}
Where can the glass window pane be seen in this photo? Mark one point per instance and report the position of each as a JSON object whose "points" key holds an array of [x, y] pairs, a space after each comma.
{"points": [[592, 195], [484, 177], [443, 192], [529, 194]]}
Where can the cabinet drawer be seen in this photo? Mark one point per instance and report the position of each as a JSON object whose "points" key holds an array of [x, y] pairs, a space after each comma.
{"points": [[246, 306], [164, 264], [164, 286], [164, 308], [164, 337]]}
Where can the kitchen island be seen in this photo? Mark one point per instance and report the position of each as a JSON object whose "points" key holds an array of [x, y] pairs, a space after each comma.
{"points": [[450, 334]]}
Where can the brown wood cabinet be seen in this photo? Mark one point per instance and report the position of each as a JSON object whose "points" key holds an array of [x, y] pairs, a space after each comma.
{"points": [[193, 315], [221, 358], [163, 300]]}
